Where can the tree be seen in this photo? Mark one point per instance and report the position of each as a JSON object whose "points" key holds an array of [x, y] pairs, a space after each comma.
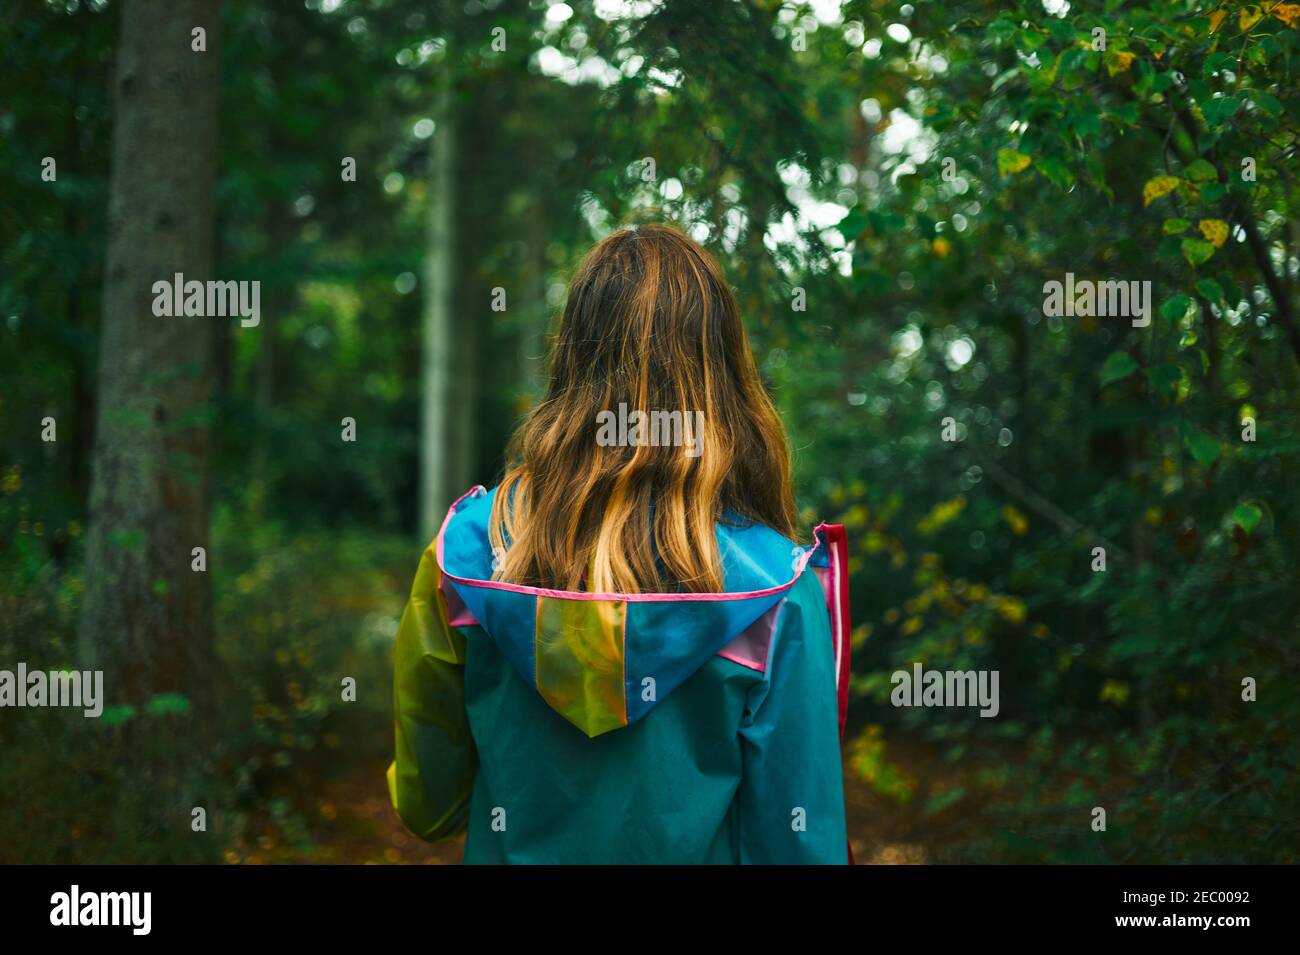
{"points": [[443, 461], [146, 617]]}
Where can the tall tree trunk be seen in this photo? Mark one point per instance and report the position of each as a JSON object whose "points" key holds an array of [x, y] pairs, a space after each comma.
{"points": [[440, 465], [147, 616], [83, 399], [532, 335]]}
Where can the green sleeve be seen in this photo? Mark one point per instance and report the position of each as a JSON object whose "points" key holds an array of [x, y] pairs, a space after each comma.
{"points": [[432, 776], [791, 798]]}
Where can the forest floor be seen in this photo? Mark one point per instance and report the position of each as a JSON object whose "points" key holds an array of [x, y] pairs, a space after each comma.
{"points": [[355, 823]]}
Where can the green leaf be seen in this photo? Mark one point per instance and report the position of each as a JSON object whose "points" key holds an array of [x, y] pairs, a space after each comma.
{"points": [[1212, 192], [1204, 447], [1175, 226], [1210, 290], [165, 703], [1197, 251], [1267, 103], [1169, 247], [1198, 170], [1126, 113], [1097, 176], [1118, 366], [1165, 378], [1219, 109], [1062, 32], [1029, 40], [1231, 293], [117, 715], [1069, 60], [1056, 172], [1247, 516], [1001, 30], [1219, 61], [852, 225], [1176, 308], [885, 222]]}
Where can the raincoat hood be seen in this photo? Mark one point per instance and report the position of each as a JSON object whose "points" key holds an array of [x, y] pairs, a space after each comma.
{"points": [[604, 660]]}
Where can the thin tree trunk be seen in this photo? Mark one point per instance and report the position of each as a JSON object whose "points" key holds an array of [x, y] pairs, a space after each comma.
{"points": [[532, 336], [146, 618], [440, 268]]}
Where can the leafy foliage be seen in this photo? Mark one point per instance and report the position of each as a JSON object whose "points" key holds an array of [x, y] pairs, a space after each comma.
{"points": [[915, 175]]}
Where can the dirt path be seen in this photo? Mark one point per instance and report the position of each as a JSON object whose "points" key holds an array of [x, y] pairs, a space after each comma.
{"points": [[353, 822]]}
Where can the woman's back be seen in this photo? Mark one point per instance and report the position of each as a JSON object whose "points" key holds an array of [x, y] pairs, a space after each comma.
{"points": [[621, 653], [698, 728]]}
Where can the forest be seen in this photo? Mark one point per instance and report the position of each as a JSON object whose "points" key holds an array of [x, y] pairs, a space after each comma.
{"points": [[1020, 276]]}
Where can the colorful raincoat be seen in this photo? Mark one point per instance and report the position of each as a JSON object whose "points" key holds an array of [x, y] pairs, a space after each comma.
{"points": [[565, 727]]}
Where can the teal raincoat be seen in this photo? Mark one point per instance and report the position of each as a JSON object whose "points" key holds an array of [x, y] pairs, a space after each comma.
{"points": [[565, 727]]}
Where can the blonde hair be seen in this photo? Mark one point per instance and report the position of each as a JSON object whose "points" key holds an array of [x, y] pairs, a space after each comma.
{"points": [[649, 323]]}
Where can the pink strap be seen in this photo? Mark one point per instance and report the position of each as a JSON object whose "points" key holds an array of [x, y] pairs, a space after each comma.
{"points": [[835, 583]]}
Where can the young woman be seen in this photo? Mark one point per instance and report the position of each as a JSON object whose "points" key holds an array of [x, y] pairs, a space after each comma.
{"points": [[622, 654]]}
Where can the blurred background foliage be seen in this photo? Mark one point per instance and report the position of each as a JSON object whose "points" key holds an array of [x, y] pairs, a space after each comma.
{"points": [[910, 174]]}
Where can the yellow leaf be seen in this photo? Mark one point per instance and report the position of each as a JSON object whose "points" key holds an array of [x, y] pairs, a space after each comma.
{"points": [[1010, 609], [1010, 161], [1190, 191], [941, 247], [1288, 13], [1214, 230], [1157, 187], [1118, 61], [1216, 18], [856, 516], [1113, 691], [1018, 522], [941, 514], [1248, 18]]}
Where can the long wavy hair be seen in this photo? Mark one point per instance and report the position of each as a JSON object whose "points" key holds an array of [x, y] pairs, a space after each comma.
{"points": [[650, 324]]}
